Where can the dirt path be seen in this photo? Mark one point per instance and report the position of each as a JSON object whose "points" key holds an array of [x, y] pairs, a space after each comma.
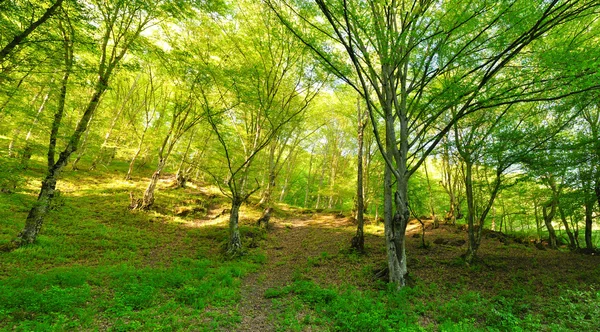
{"points": [[289, 245]]}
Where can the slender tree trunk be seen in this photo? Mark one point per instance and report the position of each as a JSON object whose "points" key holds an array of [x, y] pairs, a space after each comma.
{"points": [[589, 208], [62, 96], [320, 185], [431, 204], [27, 150], [332, 183], [182, 175], [575, 227], [472, 243], [358, 242], [572, 243], [548, 216], [135, 155], [309, 178], [38, 212], [538, 223], [286, 182], [597, 188], [266, 195]]}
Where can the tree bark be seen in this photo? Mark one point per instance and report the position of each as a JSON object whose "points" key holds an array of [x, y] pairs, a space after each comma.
{"points": [[589, 207], [538, 224], [148, 199], [358, 242], [548, 216], [234, 246], [572, 243], [472, 243], [309, 178], [38, 212], [431, 204]]}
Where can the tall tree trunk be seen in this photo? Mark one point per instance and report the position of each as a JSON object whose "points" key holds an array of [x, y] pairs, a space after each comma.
{"points": [[266, 194], [589, 208], [27, 150], [358, 242], [396, 222], [38, 212], [597, 188], [135, 155], [332, 197], [321, 184], [82, 149], [431, 205], [538, 223], [182, 175], [62, 96], [309, 178], [288, 174], [472, 243]]}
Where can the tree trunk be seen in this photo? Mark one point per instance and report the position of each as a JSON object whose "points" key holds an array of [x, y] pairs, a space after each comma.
{"points": [[38, 212], [234, 246], [62, 96], [548, 216], [589, 208], [148, 199], [358, 242], [572, 243], [135, 155], [472, 243], [182, 175], [431, 204], [81, 150], [538, 223], [597, 188], [27, 150], [309, 178]]}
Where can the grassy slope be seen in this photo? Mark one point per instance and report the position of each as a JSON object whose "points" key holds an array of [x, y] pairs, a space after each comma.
{"points": [[98, 266]]}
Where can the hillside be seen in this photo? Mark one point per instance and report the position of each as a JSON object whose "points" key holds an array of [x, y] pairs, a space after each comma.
{"points": [[99, 266]]}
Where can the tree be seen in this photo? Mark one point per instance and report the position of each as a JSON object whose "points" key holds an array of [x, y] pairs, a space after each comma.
{"points": [[413, 61], [120, 23], [252, 109]]}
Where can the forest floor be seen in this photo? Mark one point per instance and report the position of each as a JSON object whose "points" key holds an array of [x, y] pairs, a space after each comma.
{"points": [[98, 266]]}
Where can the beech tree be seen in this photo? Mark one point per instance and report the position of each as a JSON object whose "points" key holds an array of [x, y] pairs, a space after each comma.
{"points": [[414, 60], [120, 23]]}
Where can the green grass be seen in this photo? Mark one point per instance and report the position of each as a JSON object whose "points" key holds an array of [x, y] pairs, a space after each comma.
{"points": [[345, 308], [98, 266]]}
